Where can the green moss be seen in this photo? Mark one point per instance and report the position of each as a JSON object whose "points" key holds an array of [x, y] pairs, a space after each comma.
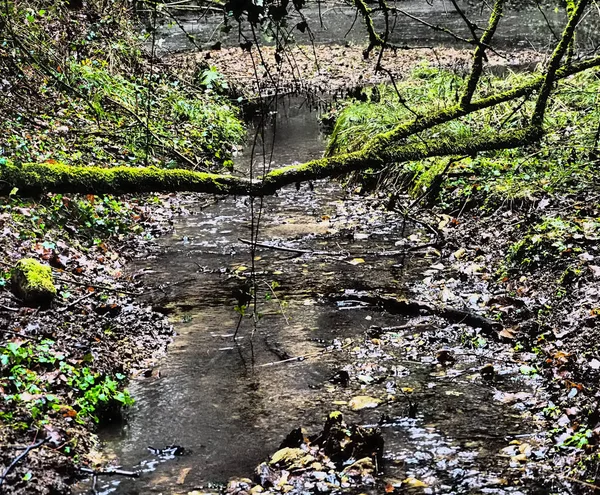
{"points": [[35, 178], [32, 281]]}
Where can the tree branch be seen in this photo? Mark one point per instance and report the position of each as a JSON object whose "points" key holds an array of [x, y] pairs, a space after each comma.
{"points": [[553, 65], [37, 178], [479, 54]]}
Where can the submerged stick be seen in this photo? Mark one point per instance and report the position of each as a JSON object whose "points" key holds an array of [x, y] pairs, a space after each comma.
{"points": [[110, 472]]}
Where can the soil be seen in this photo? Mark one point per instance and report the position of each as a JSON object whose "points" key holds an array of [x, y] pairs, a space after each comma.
{"points": [[95, 321], [335, 69]]}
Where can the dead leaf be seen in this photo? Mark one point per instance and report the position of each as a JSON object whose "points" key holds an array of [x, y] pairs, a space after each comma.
{"points": [[182, 475], [363, 402], [508, 333], [356, 261]]}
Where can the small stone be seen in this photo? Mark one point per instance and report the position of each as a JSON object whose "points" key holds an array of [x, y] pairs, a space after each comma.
{"points": [[32, 282]]}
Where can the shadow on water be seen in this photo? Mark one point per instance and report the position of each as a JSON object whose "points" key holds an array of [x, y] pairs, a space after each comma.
{"points": [[230, 404]]}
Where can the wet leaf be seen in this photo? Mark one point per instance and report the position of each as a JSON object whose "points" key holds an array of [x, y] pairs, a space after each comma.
{"points": [[460, 253], [182, 475], [507, 333], [363, 402], [366, 379], [356, 261], [414, 482]]}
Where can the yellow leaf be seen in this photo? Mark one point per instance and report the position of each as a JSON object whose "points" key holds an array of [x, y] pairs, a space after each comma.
{"points": [[356, 261], [363, 402], [414, 482], [286, 456]]}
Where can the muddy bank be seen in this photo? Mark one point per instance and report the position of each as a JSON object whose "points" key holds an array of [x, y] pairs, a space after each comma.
{"points": [[335, 69], [64, 365]]}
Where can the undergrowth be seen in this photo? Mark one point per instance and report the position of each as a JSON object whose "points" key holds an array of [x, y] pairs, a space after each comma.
{"points": [[565, 161], [80, 89]]}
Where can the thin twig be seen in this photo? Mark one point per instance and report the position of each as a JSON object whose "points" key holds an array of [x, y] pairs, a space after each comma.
{"points": [[306, 356], [74, 303], [287, 249], [110, 472], [8, 308], [98, 287], [17, 334]]}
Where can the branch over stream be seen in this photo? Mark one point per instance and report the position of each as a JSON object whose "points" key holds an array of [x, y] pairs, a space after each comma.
{"points": [[383, 149]]}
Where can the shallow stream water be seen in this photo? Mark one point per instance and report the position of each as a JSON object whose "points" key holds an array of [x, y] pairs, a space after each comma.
{"points": [[230, 403]]}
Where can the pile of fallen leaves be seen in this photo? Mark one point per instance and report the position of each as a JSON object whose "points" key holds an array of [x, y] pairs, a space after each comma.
{"points": [[325, 68]]}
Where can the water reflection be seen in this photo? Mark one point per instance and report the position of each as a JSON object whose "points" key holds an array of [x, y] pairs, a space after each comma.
{"points": [[524, 25]]}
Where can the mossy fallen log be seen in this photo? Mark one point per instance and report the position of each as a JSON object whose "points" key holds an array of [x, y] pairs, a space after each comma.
{"points": [[36, 178]]}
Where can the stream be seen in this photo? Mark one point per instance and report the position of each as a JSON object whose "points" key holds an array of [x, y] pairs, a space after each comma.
{"points": [[230, 403]]}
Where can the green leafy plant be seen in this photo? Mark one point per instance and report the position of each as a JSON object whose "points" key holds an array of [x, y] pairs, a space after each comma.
{"points": [[26, 368]]}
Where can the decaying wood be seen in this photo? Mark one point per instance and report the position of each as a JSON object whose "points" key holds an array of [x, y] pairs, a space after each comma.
{"points": [[413, 307]]}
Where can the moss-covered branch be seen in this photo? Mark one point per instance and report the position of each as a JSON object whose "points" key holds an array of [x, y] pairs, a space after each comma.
{"points": [[555, 60], [479, 54], [47, 177], [35, 178]]}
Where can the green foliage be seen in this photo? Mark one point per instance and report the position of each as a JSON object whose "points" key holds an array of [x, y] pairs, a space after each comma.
{"points": [[578, 439], [553, 239], [30, 370], [89, 218], [200, 125], [563, 162], [98, 101]]}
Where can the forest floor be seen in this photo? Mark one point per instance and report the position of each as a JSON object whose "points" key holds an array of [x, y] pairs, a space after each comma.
{"points": [[335, 69], [528, 263]]}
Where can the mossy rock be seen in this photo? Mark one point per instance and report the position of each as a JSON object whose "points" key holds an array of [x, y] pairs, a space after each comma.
{"points": [[32, 282]]}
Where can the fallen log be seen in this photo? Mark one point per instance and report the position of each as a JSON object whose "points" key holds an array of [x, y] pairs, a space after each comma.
{"points": [[412, 307]]}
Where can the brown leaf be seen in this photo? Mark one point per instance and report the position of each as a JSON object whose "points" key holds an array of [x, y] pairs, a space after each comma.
{"points": [[508, 333]]}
